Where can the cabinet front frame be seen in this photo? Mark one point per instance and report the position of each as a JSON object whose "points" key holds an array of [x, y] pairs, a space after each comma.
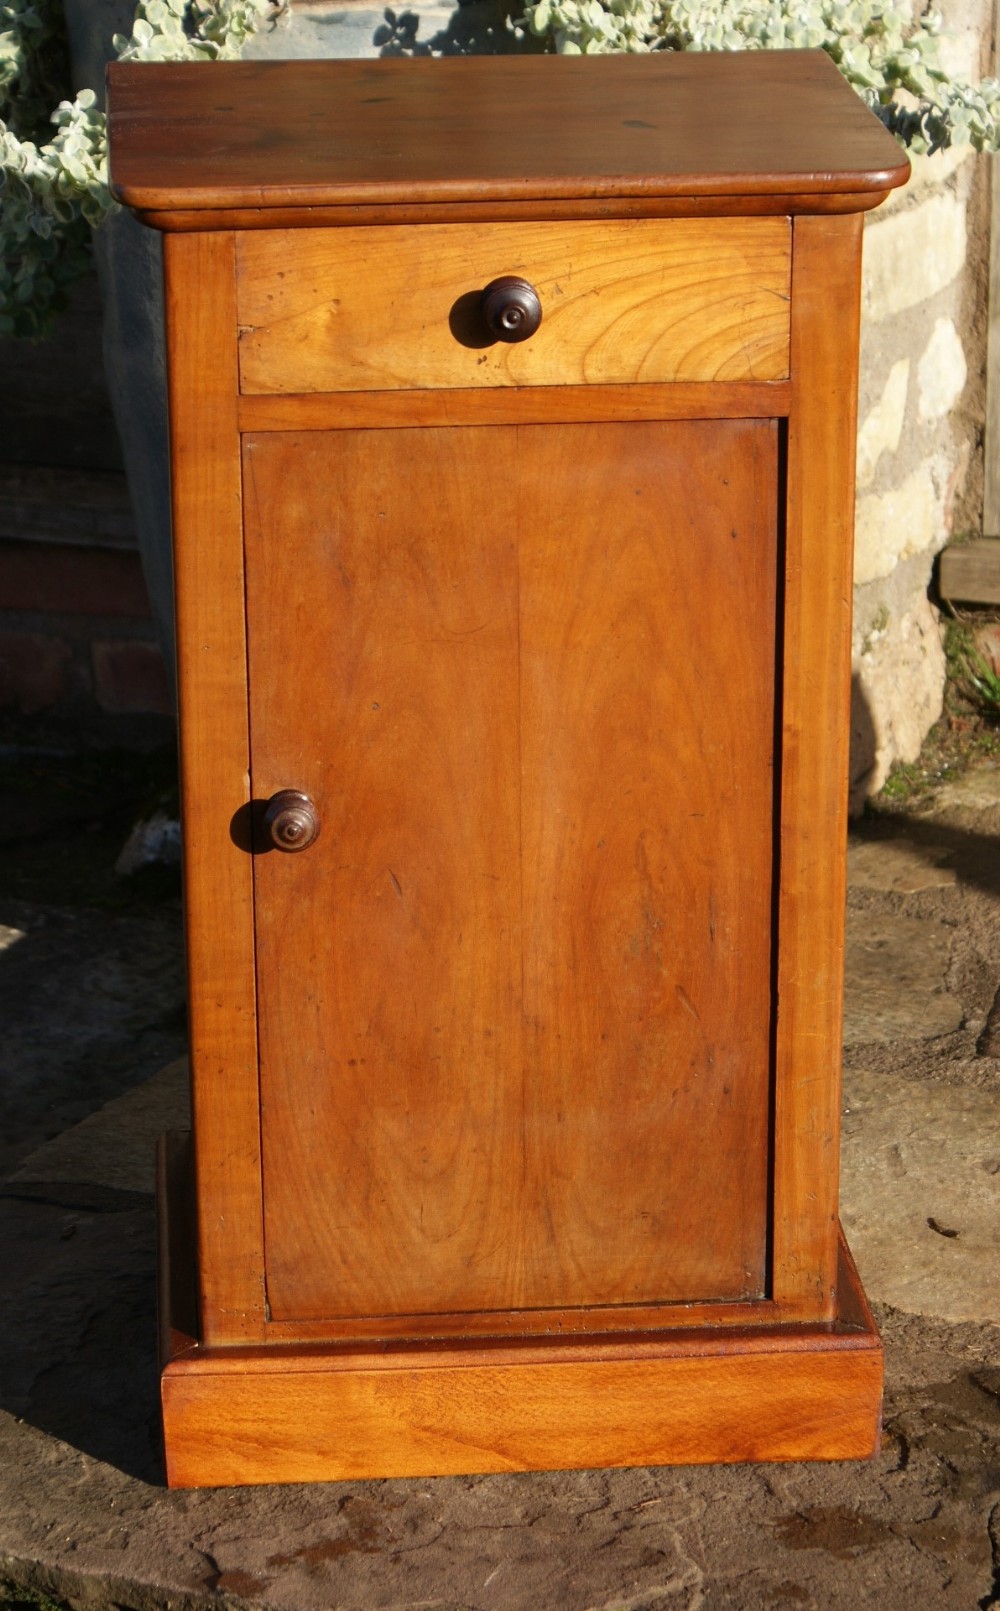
{"points": [[207, 417]]}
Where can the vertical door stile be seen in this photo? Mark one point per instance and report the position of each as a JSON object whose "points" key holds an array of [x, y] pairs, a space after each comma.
{"points": [[253, 825], [520, 516], [826, 309], [777, 752], [214, 741]]}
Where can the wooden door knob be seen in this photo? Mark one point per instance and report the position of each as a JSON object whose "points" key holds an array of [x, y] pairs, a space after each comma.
{"points": [[291, 820], [512, 308]]}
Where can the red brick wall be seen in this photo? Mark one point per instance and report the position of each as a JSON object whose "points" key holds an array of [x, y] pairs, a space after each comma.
{"points": [[76, 632]]}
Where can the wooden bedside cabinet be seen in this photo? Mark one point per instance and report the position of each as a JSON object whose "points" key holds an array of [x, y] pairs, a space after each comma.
{"points": [[512, 413]]}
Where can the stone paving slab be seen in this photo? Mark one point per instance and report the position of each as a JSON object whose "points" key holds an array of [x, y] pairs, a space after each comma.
{"points": [[920, 1194], [116, 1146], [90, 1001], [899, 866], [977, 790], [83, 1512], [911, 1153], [895, 969]]}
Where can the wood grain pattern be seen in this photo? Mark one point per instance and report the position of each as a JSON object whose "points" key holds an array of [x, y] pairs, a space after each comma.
{"points": [[319, 411], [539, 210], [310, 1427], [525, 1323], [380, 570], [814, 765], [367, 309], [261, 135], [250, 1415], [646, 814], [508, 725], [542, 1162], [211, 671], [970, 572]]}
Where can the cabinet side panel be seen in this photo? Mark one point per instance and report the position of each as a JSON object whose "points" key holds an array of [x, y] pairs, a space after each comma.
{"points": [[826, 268], [211, 654]]}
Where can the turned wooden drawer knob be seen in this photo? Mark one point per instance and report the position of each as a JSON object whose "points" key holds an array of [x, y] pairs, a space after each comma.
{"points": [[511, 308], [291, 820]]}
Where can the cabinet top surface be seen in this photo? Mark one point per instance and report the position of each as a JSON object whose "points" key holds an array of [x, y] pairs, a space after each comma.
{"points": [[781, 127]]}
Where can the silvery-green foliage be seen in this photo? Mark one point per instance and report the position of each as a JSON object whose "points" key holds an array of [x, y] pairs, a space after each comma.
{"points": [[190, 30], [53, 165], [52, 195], [53, 186], [891, 57]]}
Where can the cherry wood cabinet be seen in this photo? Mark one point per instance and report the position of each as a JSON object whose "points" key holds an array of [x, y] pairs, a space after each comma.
{"points": [[512, 415], [541, 950]]}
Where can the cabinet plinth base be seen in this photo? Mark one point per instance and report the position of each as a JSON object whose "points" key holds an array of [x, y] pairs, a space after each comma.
{"points": [[259, 1413]]}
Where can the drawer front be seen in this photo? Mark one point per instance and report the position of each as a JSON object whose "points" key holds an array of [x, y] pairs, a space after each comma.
{"points": [[391, 308]]}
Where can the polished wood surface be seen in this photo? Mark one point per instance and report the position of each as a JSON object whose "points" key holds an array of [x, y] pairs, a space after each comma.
{"points": [[646, 810], [522, 405], [682, 1407], [218, 876], [364, 309], [530, 948], [538, 210], [519, 129], [542, 1118], [521, 1324], [287, 1414], [822, 432], [386, 954]]}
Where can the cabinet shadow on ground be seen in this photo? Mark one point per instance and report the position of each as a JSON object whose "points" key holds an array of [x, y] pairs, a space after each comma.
{"points": [[78, 1330], [972, 854]]}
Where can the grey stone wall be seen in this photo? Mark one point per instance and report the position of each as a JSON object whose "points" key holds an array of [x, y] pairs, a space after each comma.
{"points": [[920, 436]]}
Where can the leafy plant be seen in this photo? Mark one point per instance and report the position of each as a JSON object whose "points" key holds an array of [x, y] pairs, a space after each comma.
{"points": [[53, 186], [903, 782], [890, 57], [982, 683], [13, 1599], [972, 677]]}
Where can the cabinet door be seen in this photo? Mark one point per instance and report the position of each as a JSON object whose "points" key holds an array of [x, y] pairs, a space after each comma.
{"points": [[515, 1001]]}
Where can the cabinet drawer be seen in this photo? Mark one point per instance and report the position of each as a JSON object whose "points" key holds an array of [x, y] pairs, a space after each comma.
{"points": [[387, 309]]}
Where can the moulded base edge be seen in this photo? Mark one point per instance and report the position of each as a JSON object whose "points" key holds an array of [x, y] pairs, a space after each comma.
{"points": [[309, 1413]]}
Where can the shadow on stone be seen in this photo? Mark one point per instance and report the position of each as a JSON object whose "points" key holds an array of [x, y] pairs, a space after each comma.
{"points": [[971, 852], [474, 28], [863, 743], [78, 1335]]}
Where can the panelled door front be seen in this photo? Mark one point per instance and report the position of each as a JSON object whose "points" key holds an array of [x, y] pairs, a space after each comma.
{"points": [[515, 1000]]}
